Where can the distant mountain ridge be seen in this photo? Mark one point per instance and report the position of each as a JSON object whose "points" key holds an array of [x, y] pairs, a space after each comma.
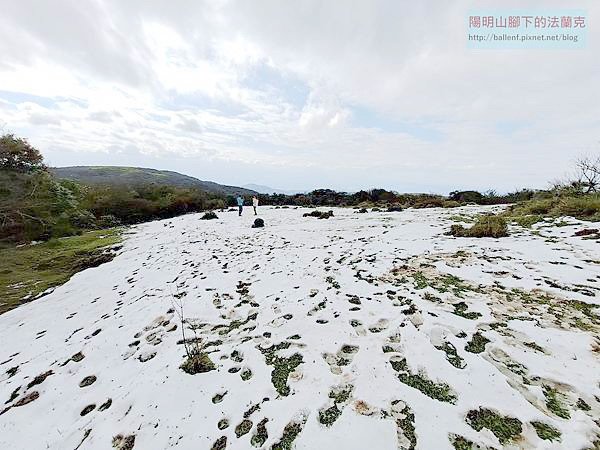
{"points": [[268, 190], [138, 176]]}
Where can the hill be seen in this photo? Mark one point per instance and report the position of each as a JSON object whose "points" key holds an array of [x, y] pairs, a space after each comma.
{"points": [[137, 176], [269, 190]]}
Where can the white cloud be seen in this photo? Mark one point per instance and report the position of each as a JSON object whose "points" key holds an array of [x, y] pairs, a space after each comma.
{"points": [[218, 81]]}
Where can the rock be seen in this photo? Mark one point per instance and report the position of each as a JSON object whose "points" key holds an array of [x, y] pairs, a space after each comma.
{"points": [[258, 223]]}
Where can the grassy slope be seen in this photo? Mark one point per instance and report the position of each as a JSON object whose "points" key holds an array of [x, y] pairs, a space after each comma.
{"points": [[137, 176], [29, 270]]}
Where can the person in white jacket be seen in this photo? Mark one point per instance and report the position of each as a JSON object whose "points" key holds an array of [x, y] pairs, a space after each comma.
{"points": [[255, 204]]}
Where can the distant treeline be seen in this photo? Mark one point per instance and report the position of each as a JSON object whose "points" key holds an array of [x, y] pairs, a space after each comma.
{"points": [[384, 198]]}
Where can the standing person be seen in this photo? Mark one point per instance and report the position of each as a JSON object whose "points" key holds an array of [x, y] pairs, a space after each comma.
{"points": [[240, 203], [254, 203]]}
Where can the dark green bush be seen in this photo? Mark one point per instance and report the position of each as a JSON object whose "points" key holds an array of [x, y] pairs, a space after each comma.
{"points": [[210, 215], [319, 214]]}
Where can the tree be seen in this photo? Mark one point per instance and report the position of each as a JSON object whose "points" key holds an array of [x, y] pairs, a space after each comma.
{"points": [[17, 154], [587, 174]]}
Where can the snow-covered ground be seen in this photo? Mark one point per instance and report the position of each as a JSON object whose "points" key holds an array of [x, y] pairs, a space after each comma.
{"points": [[355, 332]]}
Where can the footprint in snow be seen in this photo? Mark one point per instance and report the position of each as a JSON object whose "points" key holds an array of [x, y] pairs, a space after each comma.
{"points": [[342, 358], [358, 327]]}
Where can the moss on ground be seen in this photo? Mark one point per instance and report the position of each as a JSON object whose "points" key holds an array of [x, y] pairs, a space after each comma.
{"points": [[461, 443], [261, 435], [407, 425], [234, 324], [29, 270], [451, 283], [218, 398], [282, 367], [341, 394], [437, 391], [420, 280], [243, 427], [554, 402], [546, 432], [583, 405], [329, 415], [452, 355], [220, 444], [460, 309], [505, 428], [477, 343], [535, 347], [290, 433]]}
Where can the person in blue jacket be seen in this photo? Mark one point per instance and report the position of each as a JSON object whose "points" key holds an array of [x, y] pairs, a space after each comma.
{"points": [[240, 203]]}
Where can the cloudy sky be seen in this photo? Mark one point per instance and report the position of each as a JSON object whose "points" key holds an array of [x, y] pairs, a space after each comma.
{"points": [[297, 94]]}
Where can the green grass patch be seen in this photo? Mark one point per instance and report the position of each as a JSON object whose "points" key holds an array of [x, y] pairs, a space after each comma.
{"points": [[438, 391], [290, 433], [328, 416], [584, 207], [486, 226], [282, 367], [261, 435], [583, 405], [554, 402], [545, 431], [535, 347], [464, 219], [477, 343], [420, 280], [525, 221], [460, 309], [504, 428], [243, 427], [461, 443], [452, 355], [29, 270], [407, 425]]}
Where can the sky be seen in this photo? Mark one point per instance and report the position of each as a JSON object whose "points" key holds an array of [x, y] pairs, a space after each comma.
{"points": [[300, 94]]}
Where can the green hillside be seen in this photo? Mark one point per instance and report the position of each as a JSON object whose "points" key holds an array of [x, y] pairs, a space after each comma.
{"points": [[136, 176]]}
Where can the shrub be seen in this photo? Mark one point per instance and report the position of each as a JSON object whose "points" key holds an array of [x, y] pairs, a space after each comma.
{"points": [[466, 196], [451, 204], [428, 201], [215, 203], [319, 214], [209, 216], [198, 362], [583, 207], [17, 154], [486, 226]]}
